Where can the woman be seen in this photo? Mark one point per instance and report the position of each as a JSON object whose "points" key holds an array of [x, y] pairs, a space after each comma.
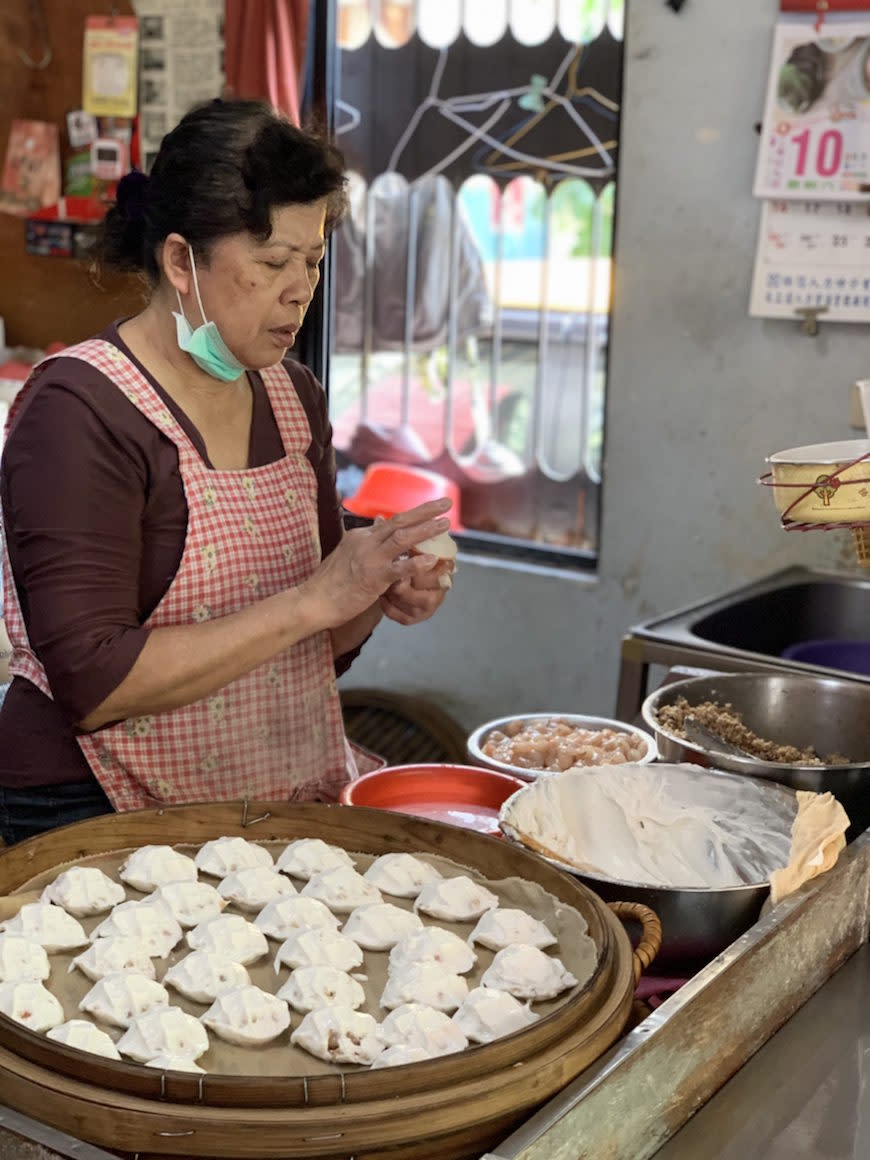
{"points": [[178, 590]]}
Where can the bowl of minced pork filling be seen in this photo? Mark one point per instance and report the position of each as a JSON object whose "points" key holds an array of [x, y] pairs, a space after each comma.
{"points": [[806, 732]]}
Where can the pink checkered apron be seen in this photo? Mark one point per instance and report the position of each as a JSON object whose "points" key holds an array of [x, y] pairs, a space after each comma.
{"points": [[276, 733]]}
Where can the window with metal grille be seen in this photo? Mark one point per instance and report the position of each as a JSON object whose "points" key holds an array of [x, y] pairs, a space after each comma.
{"points": [[471, 287]]}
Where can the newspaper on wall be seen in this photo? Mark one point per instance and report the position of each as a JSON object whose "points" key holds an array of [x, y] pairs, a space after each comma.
{"points": [[181, 63]]}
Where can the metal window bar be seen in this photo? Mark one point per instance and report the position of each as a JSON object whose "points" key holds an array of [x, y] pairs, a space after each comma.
{"points": [[546, 450], [368, 305], [592, 343], [495, 350], [410, 300], [534, 433], [451, 329]]}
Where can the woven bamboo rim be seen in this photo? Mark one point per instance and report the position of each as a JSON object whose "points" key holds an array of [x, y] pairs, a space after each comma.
{"points": [[651, 933], [861, 539]]}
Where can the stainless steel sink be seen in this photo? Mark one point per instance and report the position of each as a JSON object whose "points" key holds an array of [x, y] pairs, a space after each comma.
{"points": [[747, 629]]}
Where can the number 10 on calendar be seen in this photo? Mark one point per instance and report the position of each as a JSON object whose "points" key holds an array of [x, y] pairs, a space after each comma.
{"points": [[824, 158], [815, 136]]}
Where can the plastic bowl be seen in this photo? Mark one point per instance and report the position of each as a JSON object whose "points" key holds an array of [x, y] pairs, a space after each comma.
{"points": [[478, 738], [849, 656], [463, 795], [389, 488], [846, 500]]}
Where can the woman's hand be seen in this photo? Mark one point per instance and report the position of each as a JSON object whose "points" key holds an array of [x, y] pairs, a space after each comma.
{"points": [[370, 561], [415, 600]]}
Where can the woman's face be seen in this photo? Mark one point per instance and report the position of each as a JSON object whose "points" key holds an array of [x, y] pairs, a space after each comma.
{"points": [[258, 292]]}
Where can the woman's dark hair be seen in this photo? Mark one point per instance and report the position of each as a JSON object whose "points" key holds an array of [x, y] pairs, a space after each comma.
{"points": [[221, 171]]}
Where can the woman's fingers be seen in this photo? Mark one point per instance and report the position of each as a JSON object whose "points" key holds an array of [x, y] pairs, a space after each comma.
{"points": [[416, 524], [414, 599], [429, 580]]}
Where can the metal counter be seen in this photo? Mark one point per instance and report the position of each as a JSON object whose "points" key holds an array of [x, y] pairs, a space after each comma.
{"points": [[805, 1095]]}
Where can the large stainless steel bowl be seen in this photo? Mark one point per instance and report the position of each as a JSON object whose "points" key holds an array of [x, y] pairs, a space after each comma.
{"points": [[831, 715], [697, 922]]}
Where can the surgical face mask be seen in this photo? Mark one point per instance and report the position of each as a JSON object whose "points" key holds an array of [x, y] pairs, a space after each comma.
{"points": [[205, 345]]}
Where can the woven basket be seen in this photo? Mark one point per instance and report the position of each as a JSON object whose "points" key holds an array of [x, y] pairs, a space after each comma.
{"points": [[404, 729], [452, 1107]]}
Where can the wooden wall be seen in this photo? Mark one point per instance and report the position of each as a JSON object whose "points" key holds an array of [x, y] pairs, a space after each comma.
{"points": [[43, 299]]}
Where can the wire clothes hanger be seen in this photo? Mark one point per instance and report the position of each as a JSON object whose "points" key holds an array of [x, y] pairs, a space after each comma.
{"points": [[453, 108], [37, 18]]}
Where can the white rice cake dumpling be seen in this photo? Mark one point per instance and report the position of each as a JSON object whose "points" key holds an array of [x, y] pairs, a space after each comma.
{"points": [[104, 956], [426, 983], [527, 973], [48, 925], [311, 987], [174, 1063], [169, 1031], [247, 1016], [501, 928], [415, 1025], [401, 875], [83, 891], [487, 1014], [445, 548], [320, 946], [433, 945], [190, 902], [341, 889], [153, 866], [224, 856], [85, 1036], [152, 924], [456, 899], [308, 856], [230, 936], [22, 960], [31, 1005], [399, 1055], [121, 997], [280, 919], [340, 1035], [254, 887], [203, 975], [378, 926]]}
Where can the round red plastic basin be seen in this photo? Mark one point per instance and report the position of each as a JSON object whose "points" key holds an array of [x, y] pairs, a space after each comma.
{"points": [[460, 794], [390, 488]]}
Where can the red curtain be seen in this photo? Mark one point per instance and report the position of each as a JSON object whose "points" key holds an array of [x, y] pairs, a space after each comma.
{"points": [[265, 51]]}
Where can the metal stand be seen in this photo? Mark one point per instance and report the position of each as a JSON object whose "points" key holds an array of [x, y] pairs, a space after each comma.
{"points": [[638, 654]]}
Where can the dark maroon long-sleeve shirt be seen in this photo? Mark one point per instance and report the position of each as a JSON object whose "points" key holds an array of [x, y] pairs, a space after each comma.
{"points": [[95, 520]]}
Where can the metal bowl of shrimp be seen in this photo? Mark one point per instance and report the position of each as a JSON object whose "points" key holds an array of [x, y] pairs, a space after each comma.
{"points": [[529, 745]]}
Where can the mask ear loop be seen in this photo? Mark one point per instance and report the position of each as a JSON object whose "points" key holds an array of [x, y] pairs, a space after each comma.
{"points": [[195, 284]]}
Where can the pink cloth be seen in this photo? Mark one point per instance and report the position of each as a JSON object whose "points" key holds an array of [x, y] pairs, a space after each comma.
{"points": [[655, 989], [265, 44], [275, 733]]}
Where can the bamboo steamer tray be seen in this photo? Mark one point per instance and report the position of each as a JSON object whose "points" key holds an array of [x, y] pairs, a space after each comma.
{"points": [[451, 1107]]}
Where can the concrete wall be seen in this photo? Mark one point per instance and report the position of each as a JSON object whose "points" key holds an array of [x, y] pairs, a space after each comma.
{"points": [[698, 394]]}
